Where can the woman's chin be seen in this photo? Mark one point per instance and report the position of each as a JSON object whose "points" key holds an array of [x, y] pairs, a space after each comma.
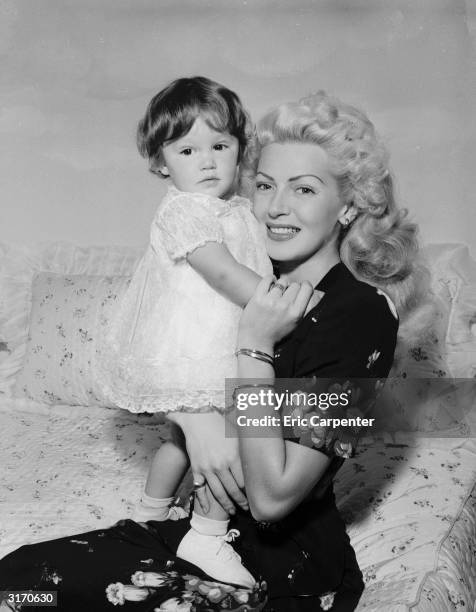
{"points": [[282, 250]]}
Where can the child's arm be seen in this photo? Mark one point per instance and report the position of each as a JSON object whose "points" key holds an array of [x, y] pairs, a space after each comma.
{"points": [[220, 269]]}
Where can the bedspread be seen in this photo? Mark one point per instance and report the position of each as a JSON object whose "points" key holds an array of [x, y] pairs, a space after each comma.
{"points": [[410, 508], [69, 469], [411, 512]]}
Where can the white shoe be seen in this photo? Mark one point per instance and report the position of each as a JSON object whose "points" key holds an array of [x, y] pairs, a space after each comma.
{"points": [[215, 557]]}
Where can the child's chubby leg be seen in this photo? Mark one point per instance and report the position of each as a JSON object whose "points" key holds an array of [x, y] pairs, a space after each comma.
{"points": [[168, 467]]}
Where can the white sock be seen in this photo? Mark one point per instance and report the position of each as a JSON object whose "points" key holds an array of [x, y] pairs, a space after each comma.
{"points": [[207, 526], [152, 508]]}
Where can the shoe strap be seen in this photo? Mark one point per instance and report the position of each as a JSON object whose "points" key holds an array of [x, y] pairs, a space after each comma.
{"points": [[176, 510], [231, 535]]}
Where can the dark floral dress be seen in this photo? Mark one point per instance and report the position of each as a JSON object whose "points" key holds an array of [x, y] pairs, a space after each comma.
{"points": [[304, 562]]}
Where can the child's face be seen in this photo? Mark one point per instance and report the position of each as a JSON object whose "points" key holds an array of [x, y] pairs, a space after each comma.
{"points": [[202, 161]]}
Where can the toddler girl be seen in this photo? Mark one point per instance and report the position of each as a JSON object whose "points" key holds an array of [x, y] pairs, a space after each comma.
{"points": [[172, 343]]}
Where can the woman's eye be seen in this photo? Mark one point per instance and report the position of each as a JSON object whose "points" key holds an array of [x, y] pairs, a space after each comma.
{"points": [[263, 186], [305, 190], [220, 147], [186, 152]]}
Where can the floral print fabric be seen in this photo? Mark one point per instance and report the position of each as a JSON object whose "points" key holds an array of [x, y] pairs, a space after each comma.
{"points": [[410, 507], [169, 591], [68, 316], [409, 503]]}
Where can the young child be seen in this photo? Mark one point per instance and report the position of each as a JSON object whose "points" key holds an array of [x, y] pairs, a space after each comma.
{"points": [[172, 343]]}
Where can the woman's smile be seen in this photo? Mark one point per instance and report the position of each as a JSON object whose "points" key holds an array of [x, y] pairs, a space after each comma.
{"points": [[281, 232]]}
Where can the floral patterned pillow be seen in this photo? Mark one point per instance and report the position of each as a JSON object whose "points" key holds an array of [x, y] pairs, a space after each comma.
{"points": [[421, 394], [67, 317]]}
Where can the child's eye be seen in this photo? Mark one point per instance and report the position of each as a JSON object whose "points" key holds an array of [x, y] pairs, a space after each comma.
{"points": [[186, 152], [263, 186], [305, 190], [220, 147]]}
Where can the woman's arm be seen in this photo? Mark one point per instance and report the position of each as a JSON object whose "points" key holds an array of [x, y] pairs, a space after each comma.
{"points": [[220, 269], [355, 339], [278, 474]]}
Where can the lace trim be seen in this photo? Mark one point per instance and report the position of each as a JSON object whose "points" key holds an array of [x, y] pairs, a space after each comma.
{"points": [[166, 401]]}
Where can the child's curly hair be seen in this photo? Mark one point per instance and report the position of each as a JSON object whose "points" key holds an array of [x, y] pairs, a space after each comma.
{"points": [[172, 112], [380, 246]]}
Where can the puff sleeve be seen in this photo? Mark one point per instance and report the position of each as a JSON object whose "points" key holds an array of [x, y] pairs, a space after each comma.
{"points": [[186, 222]]}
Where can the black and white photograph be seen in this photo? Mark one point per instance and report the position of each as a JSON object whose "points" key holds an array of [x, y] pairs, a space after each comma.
{"points": [[238, 305]]}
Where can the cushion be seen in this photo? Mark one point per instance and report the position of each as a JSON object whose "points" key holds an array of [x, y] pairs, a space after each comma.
{"points": [[19, 264], [436, 345], [67, 317], [454, 273], [446, 344]]}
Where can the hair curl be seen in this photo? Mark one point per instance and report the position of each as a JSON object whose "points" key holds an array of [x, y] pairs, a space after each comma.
{"points": [[380, 246], [172, 112]]}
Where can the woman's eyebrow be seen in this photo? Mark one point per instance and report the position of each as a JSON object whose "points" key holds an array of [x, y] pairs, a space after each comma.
{"points": [[270, 178], [297, 178]]}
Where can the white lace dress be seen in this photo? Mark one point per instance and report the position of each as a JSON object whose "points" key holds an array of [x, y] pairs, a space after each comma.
{"points": [[171, 343]]}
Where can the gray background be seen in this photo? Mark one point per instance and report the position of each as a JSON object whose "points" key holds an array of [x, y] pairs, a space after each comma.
{"points": [[76, 76]]}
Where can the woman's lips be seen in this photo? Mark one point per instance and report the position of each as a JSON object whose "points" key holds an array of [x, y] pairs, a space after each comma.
{"points": [[281, 232]]}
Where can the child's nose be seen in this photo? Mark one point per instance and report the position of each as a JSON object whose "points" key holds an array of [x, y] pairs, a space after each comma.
{"points": [[208, 160]]}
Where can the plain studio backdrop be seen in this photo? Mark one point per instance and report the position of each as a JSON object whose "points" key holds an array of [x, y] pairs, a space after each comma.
{"points": [[76, 76]]}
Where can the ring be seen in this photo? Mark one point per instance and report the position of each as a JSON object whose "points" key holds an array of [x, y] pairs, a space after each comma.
{"points": [[279, 286], [198, 485]]}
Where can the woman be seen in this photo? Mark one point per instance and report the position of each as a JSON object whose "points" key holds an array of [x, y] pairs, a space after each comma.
{"points": [[325, 195]]}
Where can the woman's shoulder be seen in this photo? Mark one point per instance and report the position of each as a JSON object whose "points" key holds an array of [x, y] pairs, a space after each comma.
{"points": [[350, 295]]}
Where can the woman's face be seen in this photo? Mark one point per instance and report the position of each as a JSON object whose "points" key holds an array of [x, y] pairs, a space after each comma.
{"points": [[297, 199]]}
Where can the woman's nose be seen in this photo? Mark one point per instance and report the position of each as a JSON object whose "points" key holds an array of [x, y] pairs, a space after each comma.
{"points": [[278, 205]]}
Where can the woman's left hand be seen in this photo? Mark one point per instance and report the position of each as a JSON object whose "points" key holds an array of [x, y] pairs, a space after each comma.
{"points": [[273, 312]]}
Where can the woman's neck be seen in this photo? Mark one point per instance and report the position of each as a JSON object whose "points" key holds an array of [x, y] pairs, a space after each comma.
{"points": [[313, 269]]}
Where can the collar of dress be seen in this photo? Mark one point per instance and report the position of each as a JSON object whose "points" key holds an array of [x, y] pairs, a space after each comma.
{"points": [[337, 274], [219, 205]]}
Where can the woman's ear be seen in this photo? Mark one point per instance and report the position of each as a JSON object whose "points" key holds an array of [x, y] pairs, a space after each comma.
{"points": [[164, 171], [348, 215]]}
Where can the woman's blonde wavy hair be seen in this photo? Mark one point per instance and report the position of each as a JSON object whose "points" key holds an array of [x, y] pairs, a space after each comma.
{"points": [[380, 245]]}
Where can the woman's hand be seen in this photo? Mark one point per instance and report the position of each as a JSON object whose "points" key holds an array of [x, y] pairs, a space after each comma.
{"points": [[273, 313], [213, 457]]}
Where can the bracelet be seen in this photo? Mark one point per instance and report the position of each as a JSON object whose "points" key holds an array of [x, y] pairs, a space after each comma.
{"points": [[260, 355]]}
